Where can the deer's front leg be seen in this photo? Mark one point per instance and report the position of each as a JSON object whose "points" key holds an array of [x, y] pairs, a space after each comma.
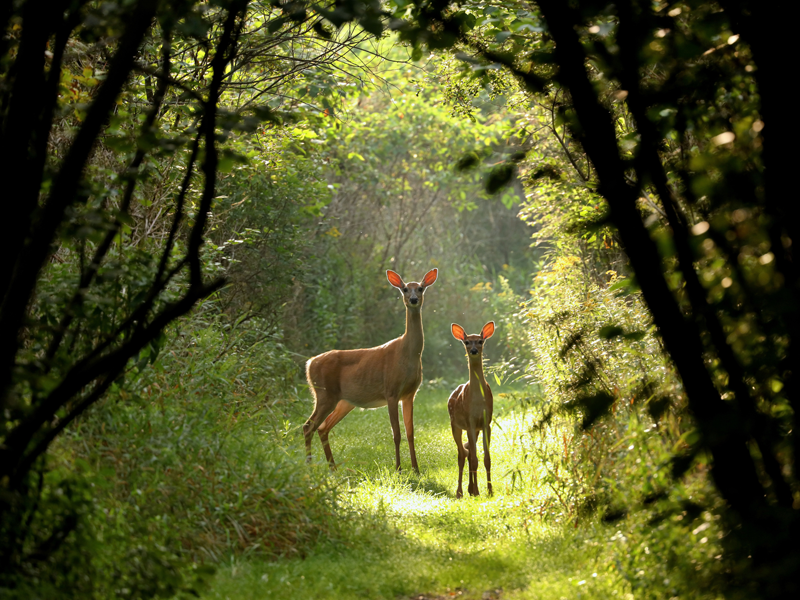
{"points": [[394, 419], [408, 421], [472, 437], [487, 459], [458, 436]]}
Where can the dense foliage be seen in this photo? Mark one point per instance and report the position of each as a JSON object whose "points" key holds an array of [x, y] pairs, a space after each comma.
{"points": [[208, 193]]}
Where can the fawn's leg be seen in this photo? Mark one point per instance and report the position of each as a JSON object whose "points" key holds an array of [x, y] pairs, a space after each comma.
{"points": [[340, 412], [487, 459], [458, 436], [472, 440], [408, 421]]}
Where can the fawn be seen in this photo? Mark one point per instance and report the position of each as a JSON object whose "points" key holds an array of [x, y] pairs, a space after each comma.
{"points": [[341, 380], [470, 408]]}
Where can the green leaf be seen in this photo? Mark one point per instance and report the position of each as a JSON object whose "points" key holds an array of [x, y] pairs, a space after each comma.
{"points": [[594, 407], [468, 161], [499, 177], [658, 406], [125, 218], [276, 24], [610, 331]]}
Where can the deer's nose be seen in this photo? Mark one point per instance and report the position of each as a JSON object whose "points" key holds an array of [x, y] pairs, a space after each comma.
{"points": [[473, 351], [414, 300]]}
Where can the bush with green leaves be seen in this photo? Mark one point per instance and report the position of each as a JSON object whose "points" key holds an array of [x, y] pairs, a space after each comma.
{"points": [[188, 462], [605, 421]]}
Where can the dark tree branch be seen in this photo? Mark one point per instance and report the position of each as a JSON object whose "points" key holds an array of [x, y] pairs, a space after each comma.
{"points": [[222, 58], [88, 274], [65, 190], [649, 164], [733, 468]]}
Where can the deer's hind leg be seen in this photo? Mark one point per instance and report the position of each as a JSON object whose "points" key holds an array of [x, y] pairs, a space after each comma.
{"points": [[340, 412], [323, 406], [408, 420]]}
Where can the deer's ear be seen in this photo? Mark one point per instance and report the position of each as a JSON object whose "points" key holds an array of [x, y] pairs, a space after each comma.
{"points": [[394, 279], [430, 277], [488, 330], [458, 332]]}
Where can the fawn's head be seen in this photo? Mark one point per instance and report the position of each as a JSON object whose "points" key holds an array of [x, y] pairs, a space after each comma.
{"points": [[473, 343], [412, 292]]}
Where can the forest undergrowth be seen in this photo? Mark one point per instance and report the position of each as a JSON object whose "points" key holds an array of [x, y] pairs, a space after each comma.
{"points": [[406, 535], [211, 193], [199, 455]]}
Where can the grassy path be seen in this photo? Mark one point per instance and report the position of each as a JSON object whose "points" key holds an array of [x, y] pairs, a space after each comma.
{"points": [[406, 536]]}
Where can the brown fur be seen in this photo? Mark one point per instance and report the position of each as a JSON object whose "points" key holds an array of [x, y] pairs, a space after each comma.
{"points": [[470, 407], [386, 375]]}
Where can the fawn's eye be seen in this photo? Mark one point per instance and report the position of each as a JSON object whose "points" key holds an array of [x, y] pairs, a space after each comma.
{"points": [[480, 342], [421, 289], [405, 290]]}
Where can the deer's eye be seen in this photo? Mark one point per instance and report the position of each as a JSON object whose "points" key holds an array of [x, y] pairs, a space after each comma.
{"points": [[405, 290], [421, 289], [480, 342]]}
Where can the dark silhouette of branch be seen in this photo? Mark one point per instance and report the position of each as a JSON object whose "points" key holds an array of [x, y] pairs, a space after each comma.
{"points": [[88, 274], [90, 375], [629, 36], [25, 272], [733, 469]]}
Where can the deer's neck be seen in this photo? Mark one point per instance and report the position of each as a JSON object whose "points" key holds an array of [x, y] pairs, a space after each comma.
{"points": [[476, 379], [413, 340]]}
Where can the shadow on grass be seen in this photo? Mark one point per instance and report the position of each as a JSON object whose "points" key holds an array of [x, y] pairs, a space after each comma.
{"points": [[421, 483], [373, 558]]}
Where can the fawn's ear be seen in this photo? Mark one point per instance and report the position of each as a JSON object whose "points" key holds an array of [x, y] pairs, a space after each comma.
{"points": [[395, 279], [458, 332], [488, 330], [430, 277]]}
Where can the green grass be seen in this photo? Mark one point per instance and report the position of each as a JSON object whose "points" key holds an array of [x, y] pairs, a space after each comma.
{"points": [[403, 535]]}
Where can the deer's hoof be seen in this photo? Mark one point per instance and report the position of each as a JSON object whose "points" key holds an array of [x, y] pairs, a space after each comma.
{"points": [[459, 494]]}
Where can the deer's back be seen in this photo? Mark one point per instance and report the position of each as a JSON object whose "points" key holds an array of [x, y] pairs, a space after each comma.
{"points": [[365, 376]]}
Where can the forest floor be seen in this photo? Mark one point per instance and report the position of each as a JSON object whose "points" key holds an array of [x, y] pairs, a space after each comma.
{"points": [[407, 536]]}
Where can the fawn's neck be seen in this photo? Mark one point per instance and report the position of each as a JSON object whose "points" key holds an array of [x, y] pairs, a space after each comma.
{"points": [[476, 379], [412, 338]]}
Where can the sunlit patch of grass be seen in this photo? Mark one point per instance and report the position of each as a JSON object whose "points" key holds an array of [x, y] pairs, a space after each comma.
{"points": [[404, 534]]}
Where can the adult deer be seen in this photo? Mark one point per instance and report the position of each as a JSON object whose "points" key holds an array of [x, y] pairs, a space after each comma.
{"points": [[470, 408], [372, 377]]}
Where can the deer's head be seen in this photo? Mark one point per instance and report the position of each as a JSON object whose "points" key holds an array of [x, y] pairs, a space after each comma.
{"points": [[473, 343], [413, 293]]}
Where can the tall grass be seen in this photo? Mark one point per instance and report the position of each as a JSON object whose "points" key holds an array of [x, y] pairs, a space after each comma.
{"points": [[404, 535], [185, 466], [197, 461]]}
